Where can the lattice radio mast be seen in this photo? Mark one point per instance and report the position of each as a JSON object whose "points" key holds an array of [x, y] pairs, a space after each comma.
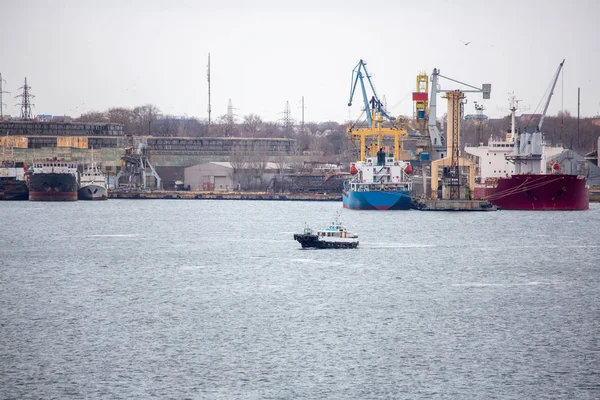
{"points": [[1, 103], [208, 79], [230, 119], [26, 114]]}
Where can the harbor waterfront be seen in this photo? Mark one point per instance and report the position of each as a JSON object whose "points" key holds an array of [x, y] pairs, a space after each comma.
{"points": [[207, 195], [215, 299]]}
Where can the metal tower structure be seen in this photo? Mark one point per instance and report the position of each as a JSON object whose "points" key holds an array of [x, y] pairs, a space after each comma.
{"points": [[454, 112], [359, 74], [230, 114], [421, 102], [437, 139], [375, 116], [26, 105], [479, 112], [136, 166], [208, 79], [453, 160], [1, 103], [229, 119], [287, 117]]}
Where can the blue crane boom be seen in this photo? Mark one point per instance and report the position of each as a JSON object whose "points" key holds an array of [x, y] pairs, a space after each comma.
{"points": [[358, 74]]}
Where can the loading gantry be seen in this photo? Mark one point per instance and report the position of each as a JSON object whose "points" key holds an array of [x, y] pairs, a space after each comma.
{"points": [[377, 115], [451, 182], [136, 166]]}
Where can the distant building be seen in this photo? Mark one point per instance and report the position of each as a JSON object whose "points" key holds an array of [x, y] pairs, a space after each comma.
{"points": [[476, 117], [223, 177], [61, 118], [43, 117]]}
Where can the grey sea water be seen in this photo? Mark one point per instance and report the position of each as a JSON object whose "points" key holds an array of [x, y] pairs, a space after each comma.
{"points": [[179, 299]]}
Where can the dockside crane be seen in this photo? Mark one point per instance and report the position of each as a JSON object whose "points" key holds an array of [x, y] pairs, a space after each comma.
{"points": [[438, 145], [376, 112]]}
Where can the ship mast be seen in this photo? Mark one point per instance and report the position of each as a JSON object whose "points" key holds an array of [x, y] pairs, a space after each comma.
{"points": [[513, 107], [539, 127]]}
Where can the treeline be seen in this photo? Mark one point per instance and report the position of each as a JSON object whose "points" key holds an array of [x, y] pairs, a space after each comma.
{"points": [[558, 130], [327, 139]]}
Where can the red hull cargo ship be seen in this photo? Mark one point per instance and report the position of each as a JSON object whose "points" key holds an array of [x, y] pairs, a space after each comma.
{"points": [[53, 180], [519, 173]]}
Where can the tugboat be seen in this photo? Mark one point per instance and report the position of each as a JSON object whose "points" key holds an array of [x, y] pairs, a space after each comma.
{"points": [[335, 236], [92, 183]]}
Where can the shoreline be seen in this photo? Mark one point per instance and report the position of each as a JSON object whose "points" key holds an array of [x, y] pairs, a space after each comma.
{"points": [[204, 195]]}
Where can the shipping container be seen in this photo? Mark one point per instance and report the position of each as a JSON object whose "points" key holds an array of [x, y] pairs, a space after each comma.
{"points": [[77, 142], [19, 142]]}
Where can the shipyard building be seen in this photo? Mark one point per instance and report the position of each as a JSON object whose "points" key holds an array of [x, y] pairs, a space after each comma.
{"points": [[112, 148]]}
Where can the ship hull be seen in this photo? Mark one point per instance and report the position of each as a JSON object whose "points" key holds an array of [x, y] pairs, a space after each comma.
{"points": [[92, 192], [313, 241], [537, 192], [52, 187], [13, 190], [376, 200]]}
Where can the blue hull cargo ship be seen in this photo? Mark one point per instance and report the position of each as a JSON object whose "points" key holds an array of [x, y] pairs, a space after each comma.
{"points": [[379, 183]]}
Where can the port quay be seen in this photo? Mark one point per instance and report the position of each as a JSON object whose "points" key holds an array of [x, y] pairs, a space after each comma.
{"points": [[217, 168]]}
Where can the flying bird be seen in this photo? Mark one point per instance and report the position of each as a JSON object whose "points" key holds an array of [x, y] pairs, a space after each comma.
{"points": [[465, 43]]}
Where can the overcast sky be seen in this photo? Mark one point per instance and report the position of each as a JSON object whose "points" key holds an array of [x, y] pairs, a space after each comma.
{"points": [[92, 55]]}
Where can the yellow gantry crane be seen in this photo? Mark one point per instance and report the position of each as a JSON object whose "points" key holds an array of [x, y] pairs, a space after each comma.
{"points": [[376, 116]]}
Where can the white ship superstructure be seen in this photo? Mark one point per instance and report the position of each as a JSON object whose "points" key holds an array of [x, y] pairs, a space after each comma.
{"points": [[92, 183], [497, 159]]}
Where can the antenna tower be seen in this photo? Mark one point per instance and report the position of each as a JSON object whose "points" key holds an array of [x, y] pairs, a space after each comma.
{"points": [[230, 115], [26, 114], [1, 103], [208, 79], [229, 119], [287, 118]]}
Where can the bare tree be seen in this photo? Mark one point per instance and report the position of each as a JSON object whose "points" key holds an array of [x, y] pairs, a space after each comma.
{"points": [[272, 130], [167, 126], [240, 163], [196, 128], [92, 116], [143, 117], [259, 163], [252, 123], [281, 164], [225, 125]]}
